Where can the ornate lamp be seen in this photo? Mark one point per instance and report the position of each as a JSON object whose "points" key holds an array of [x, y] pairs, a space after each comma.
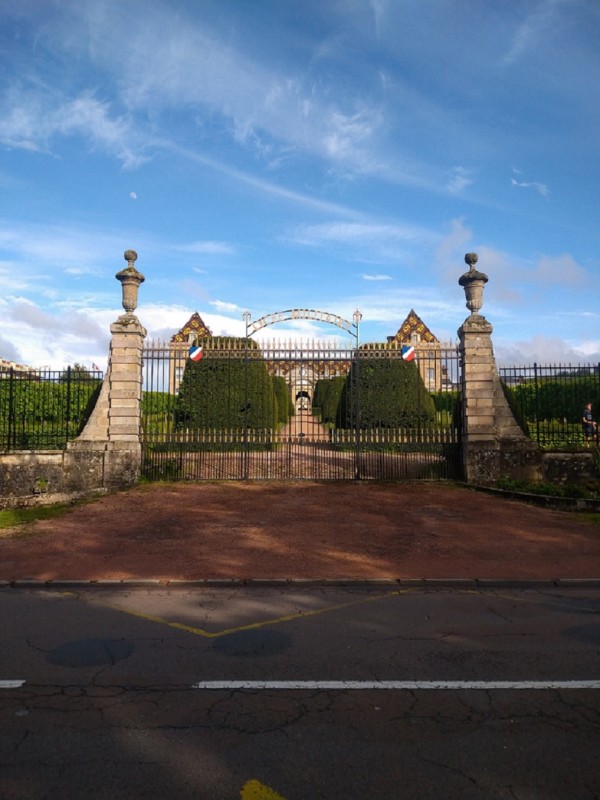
{"points": [[130, 281], [356, 318], [473, 283]]}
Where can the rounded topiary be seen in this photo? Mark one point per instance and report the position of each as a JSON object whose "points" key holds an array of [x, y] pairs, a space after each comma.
{"points": [[284, 401], [385, 393], [331, 393], [229, 388]]}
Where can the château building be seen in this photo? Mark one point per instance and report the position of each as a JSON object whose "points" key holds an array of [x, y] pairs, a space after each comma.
{"points": [[302, 369]]}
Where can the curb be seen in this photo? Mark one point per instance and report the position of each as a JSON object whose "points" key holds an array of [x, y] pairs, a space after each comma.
{"points": [[552, 502], [308, 583]]}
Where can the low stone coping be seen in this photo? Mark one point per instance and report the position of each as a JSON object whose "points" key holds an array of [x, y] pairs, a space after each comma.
{"points": [[546, 501]]}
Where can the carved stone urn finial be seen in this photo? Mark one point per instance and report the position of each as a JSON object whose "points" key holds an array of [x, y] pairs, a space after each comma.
{"points": [[130, 281], [473, 283], [471, 259]]}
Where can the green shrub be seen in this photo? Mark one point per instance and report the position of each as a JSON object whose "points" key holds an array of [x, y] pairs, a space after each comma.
{"points": [[319, 393], [285, 406], [560, 398], [331, 393], [217, 392], [445, 401], [391, 394]]}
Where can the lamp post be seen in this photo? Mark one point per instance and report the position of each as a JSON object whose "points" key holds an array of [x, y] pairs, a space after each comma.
{"points": [[473, 283], [130, 281], [356, 317], [247, 316]]}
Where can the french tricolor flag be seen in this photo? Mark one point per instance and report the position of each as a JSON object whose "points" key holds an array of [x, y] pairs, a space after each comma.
{"points": [[195, 352], [408, 352]]}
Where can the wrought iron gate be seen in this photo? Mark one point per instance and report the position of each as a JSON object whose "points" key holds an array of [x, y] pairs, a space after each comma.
{"points": [[299, 410]]}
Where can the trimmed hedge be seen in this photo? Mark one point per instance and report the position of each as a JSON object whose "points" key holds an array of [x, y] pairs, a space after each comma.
{"points": [[285, 407], [445, 401], [329, 393], [563, 398], [216, 392], [41, 413], [391, 395], [319, 393]]}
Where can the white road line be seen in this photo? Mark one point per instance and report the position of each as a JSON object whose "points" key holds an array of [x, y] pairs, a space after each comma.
{"points": [[11, 684], [398, 685]]}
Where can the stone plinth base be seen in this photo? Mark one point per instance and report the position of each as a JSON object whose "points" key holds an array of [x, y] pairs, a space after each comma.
{"points": [[485, 462], [577, 467]]}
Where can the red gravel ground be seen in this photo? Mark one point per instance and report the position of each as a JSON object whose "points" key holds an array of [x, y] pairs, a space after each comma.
{"points": [[304, 530]]}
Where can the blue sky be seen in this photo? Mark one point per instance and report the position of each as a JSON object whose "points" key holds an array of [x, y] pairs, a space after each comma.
{"points": [[275, 154]]}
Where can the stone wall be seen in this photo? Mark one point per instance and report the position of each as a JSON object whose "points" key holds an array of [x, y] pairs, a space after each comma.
{"points": [[578, 467]]}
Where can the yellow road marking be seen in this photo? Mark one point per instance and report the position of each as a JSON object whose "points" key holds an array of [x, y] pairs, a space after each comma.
{"points": [[255, 790], [253, 625], [286, 618]]}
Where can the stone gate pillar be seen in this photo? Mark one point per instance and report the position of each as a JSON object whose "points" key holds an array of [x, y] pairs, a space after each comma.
{"points": [[493, 444], [110, 443]]}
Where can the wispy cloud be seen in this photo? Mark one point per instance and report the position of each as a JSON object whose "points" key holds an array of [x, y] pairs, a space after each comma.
{"points": [[546, 350], [531, 30], [561, 270], [221, 305], [539, 187], [207, 248], [367, 277], [459, 179], [367, 242], [361, 232], [32, 120], [64, 247], [261, 184]]}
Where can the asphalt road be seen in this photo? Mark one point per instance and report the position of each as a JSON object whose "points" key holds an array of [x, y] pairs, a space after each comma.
{"points": [[294, 693]]}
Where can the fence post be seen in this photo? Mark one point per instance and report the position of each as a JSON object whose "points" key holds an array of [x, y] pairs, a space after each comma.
{"points": [[11, 410], [68, 403], [493, 444], [537, 401]]}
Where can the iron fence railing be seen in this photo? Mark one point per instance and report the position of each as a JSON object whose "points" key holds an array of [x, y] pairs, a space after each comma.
{"points": [[548, 400], [308, 409], [43, 409]]}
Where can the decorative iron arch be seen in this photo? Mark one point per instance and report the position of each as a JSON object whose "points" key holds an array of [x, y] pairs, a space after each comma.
{"points": [[303, 313]]}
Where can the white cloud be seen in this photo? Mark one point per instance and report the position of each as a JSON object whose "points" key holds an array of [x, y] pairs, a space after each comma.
{"points": [[31, 120], [59, 246], [459, 179], [9, 351], [366, 277], [133, 195], [366, 242], [539, 187], [545, 350], [206, 247], [220, 305], [41, 338], [561, 269], [79, 271], [531, 30]]}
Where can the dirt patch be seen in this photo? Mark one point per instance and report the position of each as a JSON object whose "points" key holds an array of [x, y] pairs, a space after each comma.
{"points": [[305, 530]]}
